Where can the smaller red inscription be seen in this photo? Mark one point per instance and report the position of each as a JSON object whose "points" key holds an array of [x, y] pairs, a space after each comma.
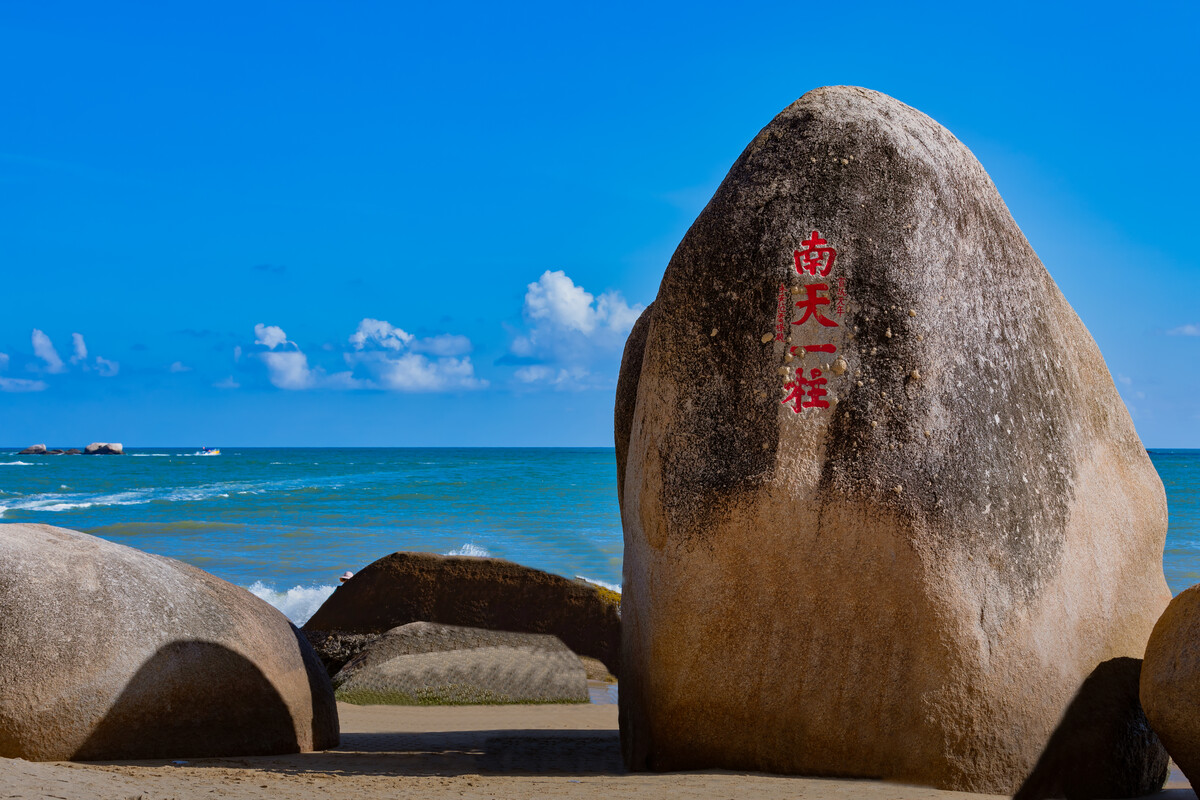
{"points": [[780, 327], [815, 258], [841, 295], [806, 393]]}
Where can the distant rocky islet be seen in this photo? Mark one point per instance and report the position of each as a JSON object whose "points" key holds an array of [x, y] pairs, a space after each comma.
{"points": [[93, 449]]}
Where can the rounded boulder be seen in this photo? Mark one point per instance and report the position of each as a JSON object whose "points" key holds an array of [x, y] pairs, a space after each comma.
{"points": [[880, 496], [107, 652], [1170, 681]]}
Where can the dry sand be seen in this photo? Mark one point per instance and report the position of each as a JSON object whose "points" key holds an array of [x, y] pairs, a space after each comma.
{"points": [[472, 751]]}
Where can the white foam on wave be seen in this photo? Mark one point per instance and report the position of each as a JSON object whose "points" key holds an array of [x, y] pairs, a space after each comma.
{"points": [[297, 604], [612, 587], [68, 502], [150, 455], [2, 510], [469, 549], [16, 463]]}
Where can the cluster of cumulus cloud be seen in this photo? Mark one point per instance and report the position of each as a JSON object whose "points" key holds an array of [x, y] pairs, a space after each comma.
{"points": [[47, 361], [565, 331], [378, 356]]}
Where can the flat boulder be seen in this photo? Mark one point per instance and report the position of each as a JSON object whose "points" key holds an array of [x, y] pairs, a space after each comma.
{"points": [[424, 663], [1170, 681], [104, 449], [33, 450], [477, 593], [73, 451], [884, 509], [107, 652]]}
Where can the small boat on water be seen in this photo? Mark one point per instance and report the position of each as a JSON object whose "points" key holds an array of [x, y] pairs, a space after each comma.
{"points": [[209, 451]]}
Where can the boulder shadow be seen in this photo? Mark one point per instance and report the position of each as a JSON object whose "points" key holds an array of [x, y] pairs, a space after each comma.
{"points": [[194, 699]]}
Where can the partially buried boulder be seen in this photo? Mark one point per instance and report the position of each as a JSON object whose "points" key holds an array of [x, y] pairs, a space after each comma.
{"points": [[1104, 746], [881, 499], [1170, 683], [478, 593], [104, 449], [107, 652], [427, 664]]}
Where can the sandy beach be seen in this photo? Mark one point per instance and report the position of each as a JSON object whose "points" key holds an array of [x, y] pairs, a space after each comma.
{"points": [[468, 751]]}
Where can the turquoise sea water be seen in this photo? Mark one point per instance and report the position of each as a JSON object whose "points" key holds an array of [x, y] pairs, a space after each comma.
{"points": [[286, 522]]}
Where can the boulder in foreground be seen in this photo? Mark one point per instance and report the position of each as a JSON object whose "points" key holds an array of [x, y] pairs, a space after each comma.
{"points": [[423, 663], [881, 499], [476, 593], [1104, 746], [104, 449], [1170, 684], [107, 652]]}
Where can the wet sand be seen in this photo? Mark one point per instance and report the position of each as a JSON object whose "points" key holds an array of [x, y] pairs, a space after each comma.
{"points": [[451, 752]]}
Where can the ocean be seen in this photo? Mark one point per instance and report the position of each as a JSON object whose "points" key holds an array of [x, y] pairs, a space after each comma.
{"points": [[286, 522]]}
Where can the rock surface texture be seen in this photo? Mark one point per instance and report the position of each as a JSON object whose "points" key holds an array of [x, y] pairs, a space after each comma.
{"points": [[1170, 683], [104, 449], [881, 499], [423, 663], [33, 450], [477, 593], [1104, 746], [107, 652]]}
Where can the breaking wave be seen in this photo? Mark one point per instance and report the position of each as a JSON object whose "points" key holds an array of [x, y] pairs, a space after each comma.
{"points": [[468, 549], [297, 604]]}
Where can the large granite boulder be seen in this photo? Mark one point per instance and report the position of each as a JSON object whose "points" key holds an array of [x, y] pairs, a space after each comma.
{"points": [[107, 652], [423, 663], [1170, 681], [477, 593], [882, 502], [1104, 747], [104, 449], [33, 450]]}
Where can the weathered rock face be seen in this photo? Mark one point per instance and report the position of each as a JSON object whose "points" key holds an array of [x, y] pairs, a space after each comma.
{"points": [[104, 449], [107, 652], [335, 649], [73, 451], [1104, 746], [1170, 682], [477, 593], [880, 498], [33, 450], [423, 663]]}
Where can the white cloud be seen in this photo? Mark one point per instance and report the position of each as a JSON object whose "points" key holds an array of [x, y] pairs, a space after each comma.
{"points": [[554, 298], [1185, 330], [179, 366], [80, 348], [288, 370], [237, 353], [3, 360], [574, 337], [379, 333], [43, 348], [1124, 379], [227, 383], [413, 372], [21, 385], [573, 378], [269, 335], [106, 368], [446, 344]]}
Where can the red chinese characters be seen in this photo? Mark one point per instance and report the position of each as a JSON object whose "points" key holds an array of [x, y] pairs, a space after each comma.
{"points": [[807, 393], [815, 259]]}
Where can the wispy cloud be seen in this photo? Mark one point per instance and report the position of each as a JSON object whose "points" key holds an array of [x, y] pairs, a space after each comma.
{"points": [[80, 349], [17, 384], [43, 348], [1185, 330], [179, 366], [227, 383]]}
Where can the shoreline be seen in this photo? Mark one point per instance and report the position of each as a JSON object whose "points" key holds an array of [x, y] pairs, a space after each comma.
{"points": [[450, 751]]}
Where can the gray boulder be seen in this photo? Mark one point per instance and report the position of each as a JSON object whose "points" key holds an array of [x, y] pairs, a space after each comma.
{"points": [[880, 496], [73, 451], [424, 663], [33, 450], [107, 652], [104, 449]]}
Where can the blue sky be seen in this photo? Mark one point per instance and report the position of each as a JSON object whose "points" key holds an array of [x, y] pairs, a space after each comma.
{"points": [[380, 224]]}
